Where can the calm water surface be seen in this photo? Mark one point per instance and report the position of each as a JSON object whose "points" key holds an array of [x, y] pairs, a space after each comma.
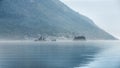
{"points": [[89, 54]]}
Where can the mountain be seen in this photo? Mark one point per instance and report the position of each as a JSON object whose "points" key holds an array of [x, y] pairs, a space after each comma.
{"points": [[20, 18]]}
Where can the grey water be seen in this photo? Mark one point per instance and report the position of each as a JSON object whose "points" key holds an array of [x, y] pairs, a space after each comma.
{"points": [[84, 54]]}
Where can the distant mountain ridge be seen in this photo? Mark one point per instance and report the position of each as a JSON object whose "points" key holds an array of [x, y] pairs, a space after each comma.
{"points": [[20, 18]]}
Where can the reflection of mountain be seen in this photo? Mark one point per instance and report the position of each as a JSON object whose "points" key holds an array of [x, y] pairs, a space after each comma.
{"points": [[48, 55], [31, 17]]}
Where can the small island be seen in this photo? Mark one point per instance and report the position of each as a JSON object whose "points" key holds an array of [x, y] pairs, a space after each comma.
{"points": [[54, 38], [41, 38], [79, 38]]}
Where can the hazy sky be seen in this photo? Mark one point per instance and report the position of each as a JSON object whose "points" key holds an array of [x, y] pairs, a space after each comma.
{"points": [[105, 13]]}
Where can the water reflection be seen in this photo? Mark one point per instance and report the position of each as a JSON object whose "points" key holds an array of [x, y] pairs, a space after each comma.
{"points": [[46, 55]]}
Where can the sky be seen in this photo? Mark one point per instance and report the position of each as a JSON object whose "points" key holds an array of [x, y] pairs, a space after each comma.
{"points": [[104, 13]]}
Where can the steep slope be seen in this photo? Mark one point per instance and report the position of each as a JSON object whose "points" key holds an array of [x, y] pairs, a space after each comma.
{"points": [[19, 18]]}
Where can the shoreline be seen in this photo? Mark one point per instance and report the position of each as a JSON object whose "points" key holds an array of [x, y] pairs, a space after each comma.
{"points": [[61, 41]]}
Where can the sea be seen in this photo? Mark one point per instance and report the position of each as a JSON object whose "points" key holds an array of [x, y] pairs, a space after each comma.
{"points": [[60, 54]]}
